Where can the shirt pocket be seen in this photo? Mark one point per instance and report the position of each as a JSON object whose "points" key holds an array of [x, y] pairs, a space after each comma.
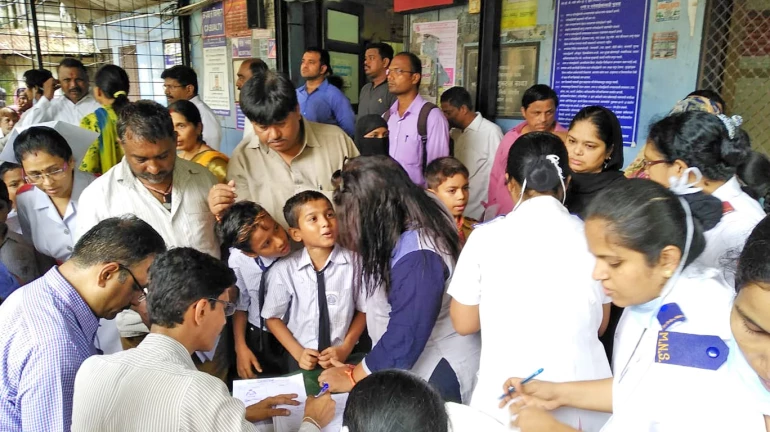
{"points": [[409, 150]]}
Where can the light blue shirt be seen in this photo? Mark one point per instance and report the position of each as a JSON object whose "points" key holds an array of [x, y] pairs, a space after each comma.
{"points": [[327, 104], [48, 331]]}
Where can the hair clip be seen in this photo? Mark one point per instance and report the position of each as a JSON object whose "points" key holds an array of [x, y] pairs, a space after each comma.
{"points": [[731, 123]]}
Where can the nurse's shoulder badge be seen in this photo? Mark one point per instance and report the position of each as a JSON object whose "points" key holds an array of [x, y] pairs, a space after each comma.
{"points": [[684, 349]]}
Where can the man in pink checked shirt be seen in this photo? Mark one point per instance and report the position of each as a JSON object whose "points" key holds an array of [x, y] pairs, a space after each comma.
{"points": [[538, 106]]}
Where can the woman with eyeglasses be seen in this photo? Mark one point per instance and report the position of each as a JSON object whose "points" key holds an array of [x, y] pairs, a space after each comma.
{"points": [[703, 151], [47, 204]]}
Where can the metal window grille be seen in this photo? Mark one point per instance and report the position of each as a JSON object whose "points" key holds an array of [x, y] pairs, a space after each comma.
{"points": [[735, 62], [142, 36]]}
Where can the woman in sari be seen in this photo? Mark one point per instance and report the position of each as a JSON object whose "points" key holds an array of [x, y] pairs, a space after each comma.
{"points": [[189, 141]]}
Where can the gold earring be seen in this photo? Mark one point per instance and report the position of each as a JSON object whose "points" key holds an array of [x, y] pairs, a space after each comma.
{"points": [[667, 274]]}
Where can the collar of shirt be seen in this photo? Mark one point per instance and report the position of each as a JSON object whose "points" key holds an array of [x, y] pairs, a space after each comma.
{"points": [[374, 86], [79, 182], [729, 190], [336, 257], [475, 124], [73, 302], [179, 176], [87, 99], [196, 100], [309, 138], [158, 342], [320, 89], [415, 107]]}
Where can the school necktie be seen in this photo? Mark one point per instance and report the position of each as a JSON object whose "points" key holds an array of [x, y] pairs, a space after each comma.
{"points": [[262, 294], [324, 325]]}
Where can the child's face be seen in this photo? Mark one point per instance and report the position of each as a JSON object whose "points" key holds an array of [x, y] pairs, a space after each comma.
{"points": [[269, 240], [454, 194], [317, 225]]}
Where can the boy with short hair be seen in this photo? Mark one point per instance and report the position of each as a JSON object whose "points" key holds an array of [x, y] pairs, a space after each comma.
{"points": [[256, 243], [8, 119], [311, 307], [447, 178]]}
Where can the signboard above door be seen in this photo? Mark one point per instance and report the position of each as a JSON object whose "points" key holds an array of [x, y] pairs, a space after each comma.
{"points": [[414, 5]]}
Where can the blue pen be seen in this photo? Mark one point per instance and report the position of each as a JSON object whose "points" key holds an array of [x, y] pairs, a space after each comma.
{"points": [[324, 389], [526, 380]]}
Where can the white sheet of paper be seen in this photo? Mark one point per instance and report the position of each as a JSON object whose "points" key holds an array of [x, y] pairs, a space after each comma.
{"points": [[293, 422], [254, 390]]}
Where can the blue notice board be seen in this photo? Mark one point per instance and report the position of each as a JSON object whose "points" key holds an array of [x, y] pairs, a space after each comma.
{"points": [[598, 58]]}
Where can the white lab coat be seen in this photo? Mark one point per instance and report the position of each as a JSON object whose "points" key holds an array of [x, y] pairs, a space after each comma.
{"points": [[725, 241], [530, 274], [41, 224], [652, 396]]}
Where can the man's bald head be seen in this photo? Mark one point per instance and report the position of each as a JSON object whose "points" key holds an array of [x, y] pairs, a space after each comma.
{"points": [[248, 69]]}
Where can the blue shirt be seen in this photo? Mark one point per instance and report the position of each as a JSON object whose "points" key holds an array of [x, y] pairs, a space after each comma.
{"points": [[327, 104], [8, 282], [48, 331]]}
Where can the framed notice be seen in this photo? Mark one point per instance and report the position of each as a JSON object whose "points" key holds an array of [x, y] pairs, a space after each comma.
{"points": [[518, 72]]}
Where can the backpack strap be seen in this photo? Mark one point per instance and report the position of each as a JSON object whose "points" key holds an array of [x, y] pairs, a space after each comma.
{"points": [[422, 130]]}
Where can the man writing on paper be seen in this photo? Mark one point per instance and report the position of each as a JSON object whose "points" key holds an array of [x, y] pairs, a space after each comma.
{"points": [[155, 386]]}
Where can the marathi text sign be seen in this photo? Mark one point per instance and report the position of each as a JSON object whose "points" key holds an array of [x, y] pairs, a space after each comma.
{"points": [[599, 58]]}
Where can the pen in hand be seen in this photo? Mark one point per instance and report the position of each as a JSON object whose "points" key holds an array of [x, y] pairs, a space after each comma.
{"points": [[324, 389], [511, 390]]}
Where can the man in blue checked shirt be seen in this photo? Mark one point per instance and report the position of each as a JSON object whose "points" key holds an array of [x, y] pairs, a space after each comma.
{"points": [[320, 101], [49, 325]]}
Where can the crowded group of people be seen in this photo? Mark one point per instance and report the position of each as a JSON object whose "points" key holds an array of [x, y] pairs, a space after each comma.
{"points": [[444, 274]]}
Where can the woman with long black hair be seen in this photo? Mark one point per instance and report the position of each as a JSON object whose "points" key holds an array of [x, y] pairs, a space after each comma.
{"points": [[407, 248]]}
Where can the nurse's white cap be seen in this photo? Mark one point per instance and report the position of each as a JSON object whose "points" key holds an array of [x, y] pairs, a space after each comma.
{"points": [[79, 140]]}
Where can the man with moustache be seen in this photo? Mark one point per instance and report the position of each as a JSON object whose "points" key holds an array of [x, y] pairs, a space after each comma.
{"points": [[75, 103], [248, 69], [167, 192], [181, 82], [320, 101], [290, 154], [375, 98]]}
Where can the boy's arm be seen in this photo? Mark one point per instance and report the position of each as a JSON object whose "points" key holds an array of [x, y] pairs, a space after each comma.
{"points": [[342, 351], [307, 358], [245, 358]]}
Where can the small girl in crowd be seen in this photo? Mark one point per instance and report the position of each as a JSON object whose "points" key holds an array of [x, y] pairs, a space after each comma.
{"points": [[257, 242]]}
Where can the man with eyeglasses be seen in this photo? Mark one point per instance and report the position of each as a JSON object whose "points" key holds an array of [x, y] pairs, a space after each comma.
{"points": [[412, 149], [181, 82], [75, 103], [49, 325], [155, 386]]}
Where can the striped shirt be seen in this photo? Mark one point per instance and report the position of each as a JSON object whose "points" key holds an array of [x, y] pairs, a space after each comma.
{"points": [[293, 295], [48, 331], [154, 387], [248, 275], [188, 224]]}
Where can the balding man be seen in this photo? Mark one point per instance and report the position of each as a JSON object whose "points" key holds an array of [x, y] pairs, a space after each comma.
{"points": [[248, 69]]}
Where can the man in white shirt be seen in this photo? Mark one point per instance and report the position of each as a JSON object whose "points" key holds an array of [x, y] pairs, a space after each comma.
{"points": [[475, 142], [155, 386], [75, 103], [167, 192], [181, 82], [248, 69]]}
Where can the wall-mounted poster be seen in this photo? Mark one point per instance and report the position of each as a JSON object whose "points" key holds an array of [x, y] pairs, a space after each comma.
{"points": [[518, 72], [439, 43], [216, 86]]}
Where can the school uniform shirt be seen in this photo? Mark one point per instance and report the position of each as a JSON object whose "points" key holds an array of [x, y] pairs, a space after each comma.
{"points": [[410, 326], [21, 258], [41, 224], [189, 223], [13, 222], [60, 108], [475, 146], [212, 130], [549, 271], [248, 276], [405, 143], [725, 241], [650, 392], [327, 104], [293, 295], [262, 176]]}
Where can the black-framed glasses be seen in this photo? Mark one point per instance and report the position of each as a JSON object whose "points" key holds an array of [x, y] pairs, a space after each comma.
{"points": [[142, 290], [229, 306]]}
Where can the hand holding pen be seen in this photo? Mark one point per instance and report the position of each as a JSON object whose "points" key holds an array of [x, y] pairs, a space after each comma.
{"points": [[537, 393]]}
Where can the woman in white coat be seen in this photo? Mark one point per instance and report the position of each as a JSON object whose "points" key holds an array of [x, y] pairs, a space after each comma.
{"points": [[533, 314], [707, 149], [47, 204], [670, 370]]}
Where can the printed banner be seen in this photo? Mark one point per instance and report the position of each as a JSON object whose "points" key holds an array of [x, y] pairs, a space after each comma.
{"points": [[216, 91]]}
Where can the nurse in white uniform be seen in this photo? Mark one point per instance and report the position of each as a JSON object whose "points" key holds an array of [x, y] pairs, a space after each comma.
{"points": [[672, 344], [532, 270], [711, 147], [750, 321], [48, 204]]}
